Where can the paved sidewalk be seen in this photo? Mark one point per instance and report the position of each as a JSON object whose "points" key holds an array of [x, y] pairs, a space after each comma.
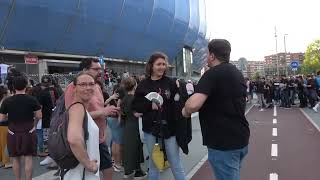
{"points": [[196, 153]]}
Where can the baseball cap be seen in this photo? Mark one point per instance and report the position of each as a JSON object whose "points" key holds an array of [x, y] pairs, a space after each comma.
{"points": [[221, 48]]}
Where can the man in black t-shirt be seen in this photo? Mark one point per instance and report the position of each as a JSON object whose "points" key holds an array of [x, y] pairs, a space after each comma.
{"points": [[220, 98]]}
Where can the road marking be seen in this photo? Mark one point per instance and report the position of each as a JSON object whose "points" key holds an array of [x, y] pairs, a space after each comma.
{"points": [[275, 111], [273, 176], [309, 118], [195, 169], [249, 109], [274, 121], [274, 150], [274, 132]]}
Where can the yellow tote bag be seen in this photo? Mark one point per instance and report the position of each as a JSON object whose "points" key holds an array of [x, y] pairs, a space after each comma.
{"points": [[159, 159]]}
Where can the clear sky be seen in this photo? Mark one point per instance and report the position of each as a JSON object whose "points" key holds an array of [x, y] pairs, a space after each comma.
{"points": [[249, 25]]}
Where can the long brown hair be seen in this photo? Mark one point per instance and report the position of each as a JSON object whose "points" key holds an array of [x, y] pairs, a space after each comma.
{"points": [[153, 59]]}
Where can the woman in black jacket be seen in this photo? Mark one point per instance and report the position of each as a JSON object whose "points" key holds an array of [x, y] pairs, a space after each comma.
{"points": [[158, 120]]}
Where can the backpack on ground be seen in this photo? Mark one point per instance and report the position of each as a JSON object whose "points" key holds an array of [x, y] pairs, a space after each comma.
{"points": [[59, 148]]}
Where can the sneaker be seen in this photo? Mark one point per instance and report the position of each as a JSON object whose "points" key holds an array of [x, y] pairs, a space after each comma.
{"points": [[129, 175], [46, 161], [262, 109], [315, 109], [140, 175], [7, 166], [117, 168]]}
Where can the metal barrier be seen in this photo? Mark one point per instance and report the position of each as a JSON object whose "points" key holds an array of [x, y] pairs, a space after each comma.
{"points": [[62, 79]]}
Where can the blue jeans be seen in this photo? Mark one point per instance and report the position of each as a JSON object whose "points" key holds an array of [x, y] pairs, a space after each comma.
{"points": [[226, 164], [40, 140], [172, 150]]}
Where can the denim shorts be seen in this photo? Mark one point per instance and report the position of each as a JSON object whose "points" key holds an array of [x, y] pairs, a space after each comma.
{"points": [[105, 158], [116, 130]]}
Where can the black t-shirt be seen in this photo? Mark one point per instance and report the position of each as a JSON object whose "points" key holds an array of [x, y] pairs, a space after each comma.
{"points": [[260, 86], [46, 101], [20, 109], [222, 116], [167, 88]]}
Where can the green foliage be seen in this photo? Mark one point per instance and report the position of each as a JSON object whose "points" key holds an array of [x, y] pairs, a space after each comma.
{"points": [[256, 75], [311, 62]]}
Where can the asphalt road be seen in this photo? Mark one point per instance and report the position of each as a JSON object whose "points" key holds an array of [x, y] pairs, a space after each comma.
{"points": [[284, 145]]}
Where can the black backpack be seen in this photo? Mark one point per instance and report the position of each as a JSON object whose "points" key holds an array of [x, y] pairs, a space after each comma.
{"points": [[59, 148]]}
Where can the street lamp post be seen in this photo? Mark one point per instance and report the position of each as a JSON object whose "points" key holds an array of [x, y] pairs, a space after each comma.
{"points": [[276, 38], [285, 53]]}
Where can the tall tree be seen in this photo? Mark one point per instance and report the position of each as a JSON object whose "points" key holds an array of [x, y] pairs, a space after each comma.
{"points": [[311, 62]]}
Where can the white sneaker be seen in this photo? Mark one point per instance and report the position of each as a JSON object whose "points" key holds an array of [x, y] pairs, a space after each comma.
{"points": [[117, 168], [46, 161], [262, 109], [315, 109]]}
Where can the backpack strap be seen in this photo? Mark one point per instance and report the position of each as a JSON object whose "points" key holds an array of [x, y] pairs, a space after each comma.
{"points": [[85, 121]]}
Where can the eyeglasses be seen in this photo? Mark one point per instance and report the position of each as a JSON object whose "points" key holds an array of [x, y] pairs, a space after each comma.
{"points": [[91, 84], [96, 69]]}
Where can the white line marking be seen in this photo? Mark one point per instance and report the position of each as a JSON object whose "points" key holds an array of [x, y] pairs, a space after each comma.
{"points": [[195, 169], [274, 121], [273, 176], [309, 118], [274, 132], [249, 109], [275, 111], [274, 150]]}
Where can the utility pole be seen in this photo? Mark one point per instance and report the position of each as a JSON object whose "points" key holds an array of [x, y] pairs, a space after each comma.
{"points": [[285, 53], [276, 38]]}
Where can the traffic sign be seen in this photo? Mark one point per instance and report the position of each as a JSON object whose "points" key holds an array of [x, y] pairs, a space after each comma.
{"points": [[294, 64]]}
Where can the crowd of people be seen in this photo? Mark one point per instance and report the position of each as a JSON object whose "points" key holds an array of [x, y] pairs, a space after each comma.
{"points": [[285, 91], [30, 115], [28, 108]]}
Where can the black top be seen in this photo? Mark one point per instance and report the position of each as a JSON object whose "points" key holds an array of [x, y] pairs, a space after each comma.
{"points": [[260, 87], [20, 109], [167, 88], [222, 117], [46, 100]]}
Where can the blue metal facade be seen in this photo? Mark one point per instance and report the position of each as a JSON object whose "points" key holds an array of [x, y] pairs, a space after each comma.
{"points": [[124, 29]]}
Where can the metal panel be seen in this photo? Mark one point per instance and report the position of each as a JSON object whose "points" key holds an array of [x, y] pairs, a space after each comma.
{"points": [[202, 18], [157, 35], [194, 23], [129, 29], [92, 27], [5, 6], [125, 29], [36, 25]]}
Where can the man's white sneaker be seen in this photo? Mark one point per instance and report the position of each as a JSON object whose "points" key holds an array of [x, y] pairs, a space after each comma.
{"points": [[46, 161]]}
